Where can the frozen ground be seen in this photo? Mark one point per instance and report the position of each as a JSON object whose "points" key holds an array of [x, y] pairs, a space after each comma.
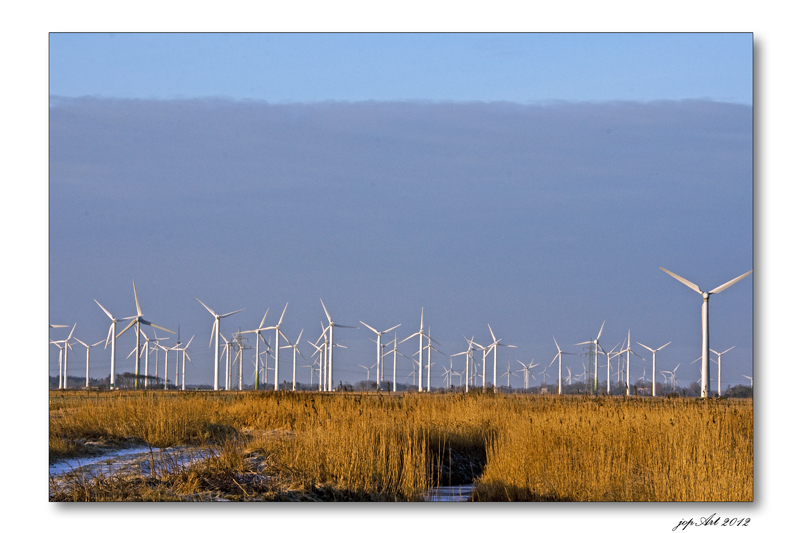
{"points": [[137, 460], [455, 493]]}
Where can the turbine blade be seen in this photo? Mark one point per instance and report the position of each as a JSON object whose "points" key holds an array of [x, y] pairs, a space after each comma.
{"points": [[232, 313], [494, 339], [213, 332], [647, 347], [371, 328], [326, 311], [188, 343], [686, 282], [731, 282], [132, 322], [284, 312], [263, 319], [104, 310], [667, 345], [601, 330], [207, 307], [390, 329], [136, 297]]}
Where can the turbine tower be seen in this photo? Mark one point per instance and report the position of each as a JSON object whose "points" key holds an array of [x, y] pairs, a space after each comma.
{"points": [[138, 321], [558, 355], [215, 333], [331, 325], [493, 346], [112, 336], [379, 350], [594, 344], [258, 331], [719, 368], [654, 362], [705, 369]]}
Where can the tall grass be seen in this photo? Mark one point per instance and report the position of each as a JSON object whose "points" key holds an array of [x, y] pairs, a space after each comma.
{"points": [[622, 450], [396, 447]]}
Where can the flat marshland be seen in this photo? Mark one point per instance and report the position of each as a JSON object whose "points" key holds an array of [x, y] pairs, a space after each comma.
{"points": [[281, 446]]}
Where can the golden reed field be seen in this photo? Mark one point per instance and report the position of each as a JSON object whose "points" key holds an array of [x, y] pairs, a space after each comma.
{"points": [[279, 446]]}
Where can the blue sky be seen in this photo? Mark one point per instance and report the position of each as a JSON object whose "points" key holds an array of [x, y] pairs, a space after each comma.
{"points": [[515, 67], [532, 182]]}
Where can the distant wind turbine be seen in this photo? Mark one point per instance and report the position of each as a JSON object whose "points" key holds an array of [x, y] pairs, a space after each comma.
{"points": [[88, 347], [379, 349], [719, 369], [138, 321], [215, 334], [258, 331], [331, 344], [595, 345], [493, 346], [558, 356], [705, 365], [654, 361]]}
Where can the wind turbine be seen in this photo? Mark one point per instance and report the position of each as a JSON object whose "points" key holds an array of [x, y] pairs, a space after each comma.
{"points": [[295, 351], [379, 349], [368, 369], [493, 346], [527, 369], [258, 331], [430, 347], [421, 334], [138, 321], [112, 336], [88, 347], [672, 376], [507, 374], [719, 369], [278, 335], [750, 378], [183, 349], [628, 353], [595, 344], [62, 361], [330, 327], [654, 362], [608, 366], [215, 334], [558, 355], [705, 366], [394, 351], [321, 349]]}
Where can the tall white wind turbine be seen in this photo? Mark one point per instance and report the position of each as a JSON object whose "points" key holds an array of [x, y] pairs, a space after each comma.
{"points": [[138, 321], [379, 350], [258, 331], [295, 351], [628, 353], [654, 362], [558, 356], [421, 334], [183, 349], [215, 333], [493, 346], [112, 336], [719, 369], [88, 347], [62, 360], [595, 345], [331, 344], [705, 365]]}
